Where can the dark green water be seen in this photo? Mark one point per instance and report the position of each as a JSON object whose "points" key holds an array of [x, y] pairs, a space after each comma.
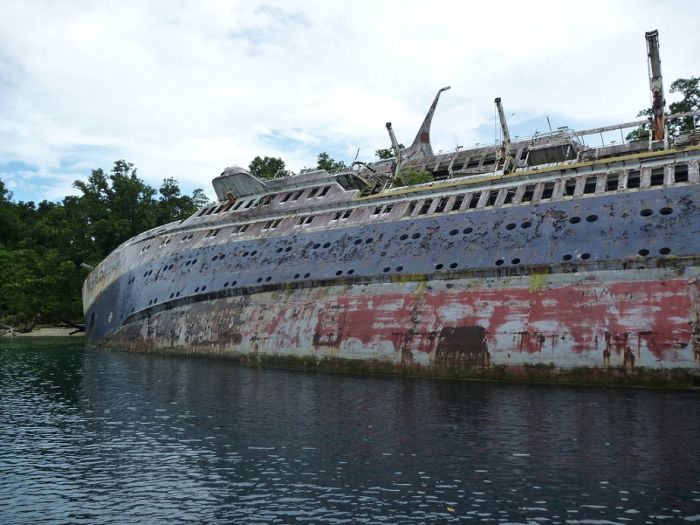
{"points": [[104, 437]]}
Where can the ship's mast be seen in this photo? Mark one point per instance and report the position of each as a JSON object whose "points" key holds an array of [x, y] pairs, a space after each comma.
{"points": [[506, 156], [656, 84]]}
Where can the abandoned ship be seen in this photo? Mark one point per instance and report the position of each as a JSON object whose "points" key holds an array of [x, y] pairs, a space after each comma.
{"points": [[543, 258]]}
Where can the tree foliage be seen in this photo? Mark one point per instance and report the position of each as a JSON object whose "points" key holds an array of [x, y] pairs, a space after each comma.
{"points": [[387, 153], [325, 162], [43, 245], [689, 88], [267, 167], [411, 177]]}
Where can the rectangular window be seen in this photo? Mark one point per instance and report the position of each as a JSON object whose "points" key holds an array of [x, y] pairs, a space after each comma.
{"points": [[441, 205], [473, 162], [296, 196], [529, 193], [347, 214], [589, 187], [657, 177], [211, 210], [411, 208], [336, 216], [265, 201], [458, 202], [300, 221], [426, 206], [312, 193], [250, 203], [377, 210], [611, 182], [634, 179], [510, 193], [569, 187], [238, 205], [286, 197], [680, 173], [493, 195], [388, 208], [324, 191], [547, 191], [474, 201], [490, 159]]}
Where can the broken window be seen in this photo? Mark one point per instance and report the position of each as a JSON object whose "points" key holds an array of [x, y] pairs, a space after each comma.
{"points": [[657, 177]]}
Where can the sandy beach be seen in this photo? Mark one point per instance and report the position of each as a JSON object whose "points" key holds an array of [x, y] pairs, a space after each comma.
{"points": [[51, 331]]}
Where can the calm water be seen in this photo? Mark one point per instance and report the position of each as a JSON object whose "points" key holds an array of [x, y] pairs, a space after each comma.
{"points": [[105, 437]]}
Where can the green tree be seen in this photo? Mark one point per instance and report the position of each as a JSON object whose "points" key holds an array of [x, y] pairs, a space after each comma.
{"points": [[387, 153], [325, 162], [411, 177], [267, 167], [689, 88]]}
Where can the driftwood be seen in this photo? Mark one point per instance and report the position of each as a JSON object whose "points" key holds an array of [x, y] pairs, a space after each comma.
{"points": [[12, 330], [77, 327]]}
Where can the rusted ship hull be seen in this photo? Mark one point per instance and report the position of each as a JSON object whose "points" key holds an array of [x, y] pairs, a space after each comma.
{"points": [[591, 325]]}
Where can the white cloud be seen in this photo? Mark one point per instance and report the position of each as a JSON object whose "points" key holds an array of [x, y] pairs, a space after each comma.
{"points": [[184, 89]]}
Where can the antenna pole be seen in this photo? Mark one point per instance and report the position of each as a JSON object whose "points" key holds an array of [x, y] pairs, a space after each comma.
{"points": [[656, 85], [506, 156]]}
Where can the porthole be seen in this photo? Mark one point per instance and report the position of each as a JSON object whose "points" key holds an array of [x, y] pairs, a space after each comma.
{"points": [[226, 284], [215, 258], [415, 235], [370, 240], [567, 257], [171, 267], [453, 265], [591, 218], [186, 264], [306, 275], [339, 272], [386, 269], [403, 237], [234, 283], [646, 212], [438, 266], [145, 274], [454, 232], [196, 289], [177, 294], [515, 261], [204, 288], [358, 241], [150, 302], [665, 251], [259, 279], [288, 249], [382, 254], [296, 275], [268, 278], [585, 256], [221, 256], [526, 224], [575, 220], [399, 268], [643, 252], [194, 262], [316, 245], [326, 245], [666, 211], [155, 300], [467, 231], [172, 295], [351, 271], [150, 272], [499, 262], [511, 226], [245, 254], [279, 250], [252, 253]]}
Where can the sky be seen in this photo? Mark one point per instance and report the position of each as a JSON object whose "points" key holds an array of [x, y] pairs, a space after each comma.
{"points": [[184, 89]]}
